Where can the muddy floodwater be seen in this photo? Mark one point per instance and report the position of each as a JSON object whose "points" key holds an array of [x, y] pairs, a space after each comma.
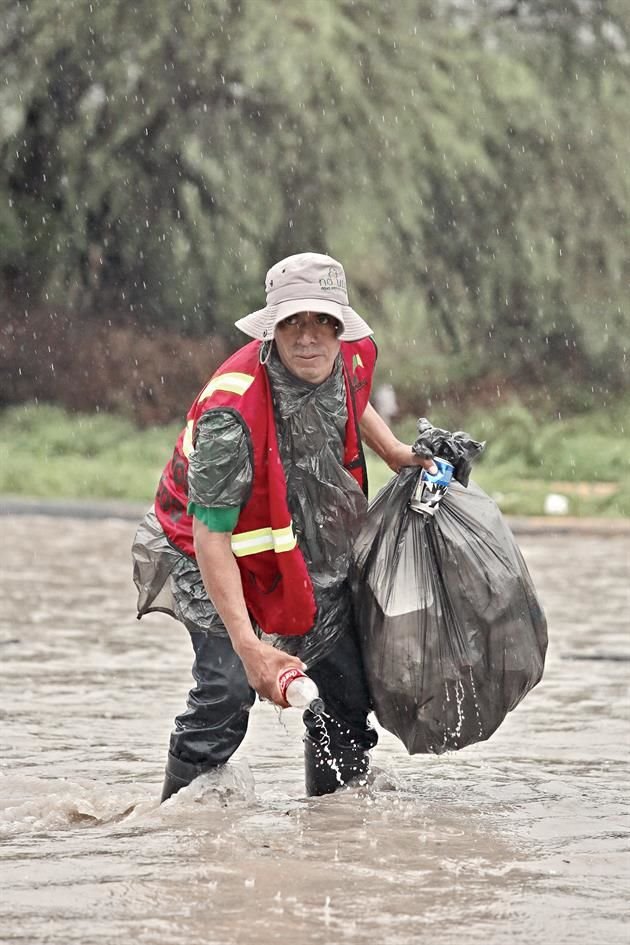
{"points": [[521, 839]]}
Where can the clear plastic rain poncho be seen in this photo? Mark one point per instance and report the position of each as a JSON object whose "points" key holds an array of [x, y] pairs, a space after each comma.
{"points": [[327, 505], [451, 631]]}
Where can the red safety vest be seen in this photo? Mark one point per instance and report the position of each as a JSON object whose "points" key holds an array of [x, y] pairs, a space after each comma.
{"points": [[276, 583]]}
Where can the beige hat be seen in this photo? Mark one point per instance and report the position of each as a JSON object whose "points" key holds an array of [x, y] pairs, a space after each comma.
{"points": [[307, 282]]}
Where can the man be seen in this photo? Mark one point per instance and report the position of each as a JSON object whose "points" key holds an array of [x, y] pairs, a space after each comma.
{"points": [[250, 538]]}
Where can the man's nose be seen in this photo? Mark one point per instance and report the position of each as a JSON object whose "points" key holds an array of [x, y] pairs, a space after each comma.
{"points": [[307, 330]]}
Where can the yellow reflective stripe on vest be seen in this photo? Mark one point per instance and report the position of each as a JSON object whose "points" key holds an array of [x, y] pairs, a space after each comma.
{"points": [[233, 382], [187, 443], [284, 539], [263, 539]]}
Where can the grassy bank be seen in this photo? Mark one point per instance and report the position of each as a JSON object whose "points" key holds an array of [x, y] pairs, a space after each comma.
{"points": [[53, 454]]}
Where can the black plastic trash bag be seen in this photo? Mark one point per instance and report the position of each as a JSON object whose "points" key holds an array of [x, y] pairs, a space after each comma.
{"points": [[457, 448], [451, 631]]}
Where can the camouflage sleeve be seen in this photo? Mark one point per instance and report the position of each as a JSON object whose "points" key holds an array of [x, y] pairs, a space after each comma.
{"points": [[220, 468]]}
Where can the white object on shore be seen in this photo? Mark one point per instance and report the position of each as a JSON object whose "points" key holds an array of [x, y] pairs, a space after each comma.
{"points": [[556, 504]]}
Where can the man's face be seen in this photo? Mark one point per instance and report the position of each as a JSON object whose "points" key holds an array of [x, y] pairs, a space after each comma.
{"points": [[307, 344]]}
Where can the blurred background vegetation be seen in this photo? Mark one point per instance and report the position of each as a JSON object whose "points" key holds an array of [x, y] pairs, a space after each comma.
{"points": [[467, 162]]}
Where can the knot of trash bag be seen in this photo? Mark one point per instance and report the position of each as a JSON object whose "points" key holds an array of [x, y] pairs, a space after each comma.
{"points": [[457, 448]]}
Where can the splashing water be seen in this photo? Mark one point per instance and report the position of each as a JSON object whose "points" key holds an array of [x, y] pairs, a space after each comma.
{"points": [[451, 735], [280, 717], [475, 701], [37, 805], [225, 786], [459, 699], [325, 746]]}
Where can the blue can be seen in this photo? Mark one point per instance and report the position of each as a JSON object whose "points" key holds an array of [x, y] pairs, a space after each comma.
{"points": [[430, 489]]}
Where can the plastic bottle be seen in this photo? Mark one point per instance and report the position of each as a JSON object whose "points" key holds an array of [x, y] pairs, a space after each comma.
{"points": [[299, 690], [432, 486]]}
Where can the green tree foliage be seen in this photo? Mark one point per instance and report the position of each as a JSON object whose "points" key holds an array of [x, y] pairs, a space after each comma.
{"points": [[470, 171]]}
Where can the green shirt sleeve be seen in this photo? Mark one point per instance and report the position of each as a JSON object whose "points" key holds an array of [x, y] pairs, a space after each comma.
{"points": [[215, 520], [219, 471]]}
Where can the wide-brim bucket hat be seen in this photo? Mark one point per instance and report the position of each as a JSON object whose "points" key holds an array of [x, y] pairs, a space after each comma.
{"points": [[306, 282]]}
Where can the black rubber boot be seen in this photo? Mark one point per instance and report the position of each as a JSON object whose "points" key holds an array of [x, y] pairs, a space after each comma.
{"points": [[326, 770], [179, 774]]}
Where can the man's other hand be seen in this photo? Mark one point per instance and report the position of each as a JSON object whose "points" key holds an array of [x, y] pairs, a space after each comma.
{"points": [[263, 665]]}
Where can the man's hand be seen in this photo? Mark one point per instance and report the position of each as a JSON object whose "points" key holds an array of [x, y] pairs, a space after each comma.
{"points": [[263, 665], [402, 455]]}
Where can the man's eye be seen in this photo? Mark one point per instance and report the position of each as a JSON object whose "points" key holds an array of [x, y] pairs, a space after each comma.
{"points": [[323, 319], [291, 320]]}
